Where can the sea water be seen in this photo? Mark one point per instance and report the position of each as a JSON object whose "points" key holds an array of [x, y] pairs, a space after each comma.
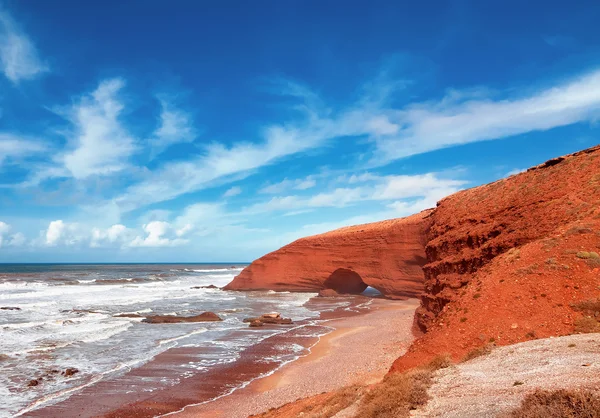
{"points": [[67, 319]]}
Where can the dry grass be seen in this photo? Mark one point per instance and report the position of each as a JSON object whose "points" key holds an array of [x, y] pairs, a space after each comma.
{"points": [[586, 325], [478, 352], [589, 307], [397, 394], [325, 405], [588, 254], [559, 404]]}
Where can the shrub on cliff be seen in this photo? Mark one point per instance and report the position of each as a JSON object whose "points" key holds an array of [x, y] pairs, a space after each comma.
{"points": [[559, 404], [399, 393]]}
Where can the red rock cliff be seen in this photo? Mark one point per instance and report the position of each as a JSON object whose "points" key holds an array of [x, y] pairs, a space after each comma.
{"points": [[506, 260], [386, 255]]}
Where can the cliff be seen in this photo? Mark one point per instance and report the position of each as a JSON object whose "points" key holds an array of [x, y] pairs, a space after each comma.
{"points": [[505, 261], [386, 255], [496, 264]]}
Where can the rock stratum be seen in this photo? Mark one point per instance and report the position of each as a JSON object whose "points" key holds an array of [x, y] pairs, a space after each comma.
{"points": [[497, 264], [386, 255]]}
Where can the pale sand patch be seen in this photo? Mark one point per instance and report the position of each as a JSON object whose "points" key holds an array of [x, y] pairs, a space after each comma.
{"points": [[485, 386], [360, 350]]}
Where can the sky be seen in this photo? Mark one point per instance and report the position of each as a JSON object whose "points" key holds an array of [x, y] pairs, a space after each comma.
{"points": [[190, 131]]}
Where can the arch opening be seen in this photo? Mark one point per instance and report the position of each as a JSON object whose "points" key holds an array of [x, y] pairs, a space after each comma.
{"points": [[345, 281]]}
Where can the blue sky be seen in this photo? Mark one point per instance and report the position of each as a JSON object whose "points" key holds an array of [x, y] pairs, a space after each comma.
{"points": [[218, 131]]}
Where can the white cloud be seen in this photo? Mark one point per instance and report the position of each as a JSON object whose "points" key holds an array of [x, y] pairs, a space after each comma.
{"points": [[184, 230], [115, 234], [15, 147], [285, 185], [4, 230], [175, 127], [18, 55], [455, 120], [8, 239], [515, 171], [55, 232], [427, 186], [100, 144], [17, 240], [158, 235], [234, 191], [217, 163]]}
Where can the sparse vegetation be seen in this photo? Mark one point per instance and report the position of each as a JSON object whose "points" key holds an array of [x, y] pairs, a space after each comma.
{"points": [[559, 404], [518, 383], [589, 307], [513, 254], [587, 254], [397, 394], [325, 405], [529, 269], [579, 230], [476, 295], [586, 325], [479, 351], [572, 345]]}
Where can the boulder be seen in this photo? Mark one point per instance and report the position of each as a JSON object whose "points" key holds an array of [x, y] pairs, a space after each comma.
{"points": [[169, 319], [256, 323], [328, 293], [210, 286], [70, 372]]}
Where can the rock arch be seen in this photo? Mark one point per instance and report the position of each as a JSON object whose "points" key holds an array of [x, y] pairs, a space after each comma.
{"points": [[345, 281]]}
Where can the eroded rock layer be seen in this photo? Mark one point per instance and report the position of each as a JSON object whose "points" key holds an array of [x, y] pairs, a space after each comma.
{"points": [[506, 261], [386, 255]]}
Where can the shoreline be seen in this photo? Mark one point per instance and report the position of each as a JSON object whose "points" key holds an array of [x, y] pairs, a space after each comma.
{"points": [[367, 345], [236, 386]]}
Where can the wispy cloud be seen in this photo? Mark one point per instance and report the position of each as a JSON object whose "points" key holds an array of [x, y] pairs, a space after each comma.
{"points": [[8, 238], [216, 163], [285, 185], [434, 125], [176, 126], [99, 143], [18, 55], [427, 187], [159, 234], [15, 147], [233, 191]]}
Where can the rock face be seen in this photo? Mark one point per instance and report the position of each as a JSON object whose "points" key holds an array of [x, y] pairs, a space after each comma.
{"points": [[169, 319], [506, 261], [273, 318], [386, 255]]}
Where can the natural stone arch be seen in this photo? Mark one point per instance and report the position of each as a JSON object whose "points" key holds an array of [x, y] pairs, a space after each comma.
{"points": [[345, 281]]}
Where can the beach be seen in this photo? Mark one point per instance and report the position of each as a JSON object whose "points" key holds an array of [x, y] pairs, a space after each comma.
{"points": [[222, 368], [360, 349]]}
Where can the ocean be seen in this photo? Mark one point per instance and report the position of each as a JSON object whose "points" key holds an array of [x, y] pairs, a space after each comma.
{"points": [[65, 317]]}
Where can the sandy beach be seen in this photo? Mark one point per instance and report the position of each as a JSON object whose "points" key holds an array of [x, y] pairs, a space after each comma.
{"points": [[359, 350]]}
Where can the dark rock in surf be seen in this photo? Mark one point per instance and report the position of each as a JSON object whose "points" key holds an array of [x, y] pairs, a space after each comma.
{"points": [[70, 372], [210, 286], [168, 319], [10, 308], [328, 293], [273, 318]]}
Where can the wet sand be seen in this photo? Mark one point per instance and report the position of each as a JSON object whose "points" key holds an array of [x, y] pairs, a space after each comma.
{"points": [[355, 345], [359, 350]]}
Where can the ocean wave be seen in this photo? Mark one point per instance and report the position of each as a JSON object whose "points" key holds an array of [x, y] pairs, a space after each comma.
{"points": [[184, 336]]}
